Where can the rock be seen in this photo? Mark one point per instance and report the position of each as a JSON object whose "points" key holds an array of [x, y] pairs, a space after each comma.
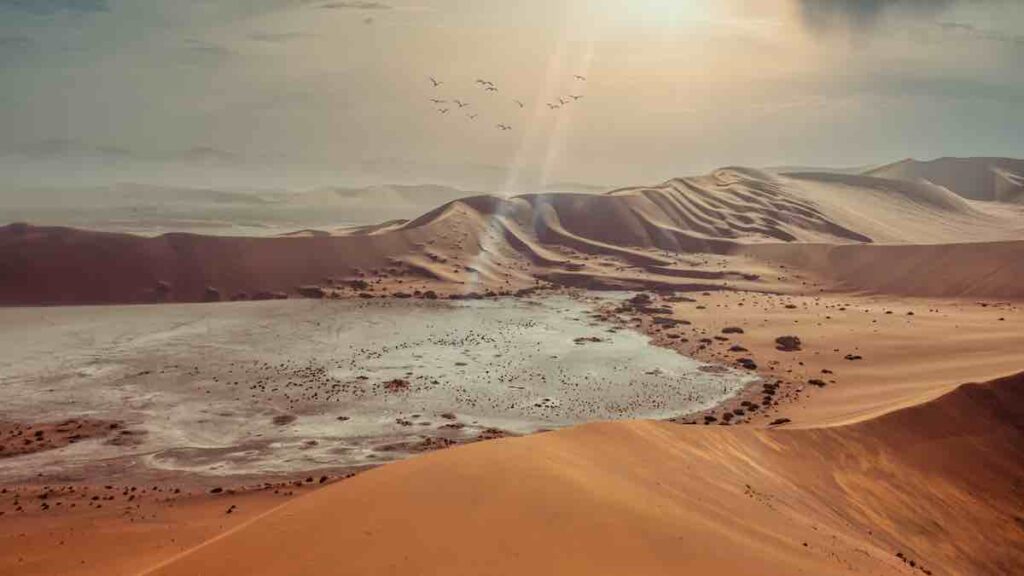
{"points": [[817, 382], [853, 357], [788, 343], [737, 348], [780, 421], [311, 291], [396, 385], [640, 299], [284, 419], [211, 294], [267, 295], [747, 363], [732, 330]]}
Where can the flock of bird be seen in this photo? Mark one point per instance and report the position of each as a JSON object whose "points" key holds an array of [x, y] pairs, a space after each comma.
{"points": [[446, 106]]}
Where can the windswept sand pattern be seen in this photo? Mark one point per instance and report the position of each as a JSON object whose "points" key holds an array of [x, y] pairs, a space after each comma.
{"points": [[631, 238], [986, 179]]}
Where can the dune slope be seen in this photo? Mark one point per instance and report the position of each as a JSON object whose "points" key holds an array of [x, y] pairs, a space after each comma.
{"points": [[937, 484], [987, 179], [630, 238]]}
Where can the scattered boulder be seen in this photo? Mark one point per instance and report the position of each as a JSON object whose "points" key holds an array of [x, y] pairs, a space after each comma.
{"points": [[396, 385], [780, 421], [211, 294], [311, 292], [284, 419], [788, 343], [732, 330]]}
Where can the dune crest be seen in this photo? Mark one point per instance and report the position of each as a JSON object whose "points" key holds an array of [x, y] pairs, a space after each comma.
{"points": [[986, 179], [627, 239], [932, 485]]}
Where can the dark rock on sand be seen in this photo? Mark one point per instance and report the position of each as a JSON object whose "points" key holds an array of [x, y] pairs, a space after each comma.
{"points": [[788, 343]]}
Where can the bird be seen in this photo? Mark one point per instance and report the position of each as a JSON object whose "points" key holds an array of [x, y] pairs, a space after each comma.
{"points": [[562, 101], [472, 116], [553, 106], [503, 127], [482, 82], [435, 81], [461, 104], [576, 98], [581, 78], [520, 104], [436, 101], [491, 88], [442, 110]]}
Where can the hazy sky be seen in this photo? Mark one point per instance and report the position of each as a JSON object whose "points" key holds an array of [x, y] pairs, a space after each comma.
{"points": [[674, 87]]}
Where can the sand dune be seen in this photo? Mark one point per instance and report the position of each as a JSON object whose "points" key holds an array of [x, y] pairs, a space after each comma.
{"points": [[151, 210], [988, 269], [887, 468], [933, 484], [987, 179], [634, 237]]}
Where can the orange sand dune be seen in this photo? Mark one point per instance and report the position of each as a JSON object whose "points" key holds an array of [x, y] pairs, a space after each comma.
{"points": [[987, 269], [936, 485], [627, 238]]}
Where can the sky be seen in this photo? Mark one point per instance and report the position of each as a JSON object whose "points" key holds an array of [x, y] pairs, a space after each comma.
{"points": [[292, 93]]}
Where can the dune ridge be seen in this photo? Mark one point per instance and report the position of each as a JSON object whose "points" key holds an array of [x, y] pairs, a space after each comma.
{"points": [[935, 485], [628, 238], [986, 179]]}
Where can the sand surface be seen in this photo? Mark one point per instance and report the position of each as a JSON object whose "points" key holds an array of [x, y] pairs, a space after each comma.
{"points": [[861, 447], [937, 484]]}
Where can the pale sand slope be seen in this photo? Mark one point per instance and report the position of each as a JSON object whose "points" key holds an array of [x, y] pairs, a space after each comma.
{"points": [[986, 179], [939, 483], [628, 238]]}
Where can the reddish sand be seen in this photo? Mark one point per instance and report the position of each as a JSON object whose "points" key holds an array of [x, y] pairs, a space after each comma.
{"points": [[869, 455], [937, 483]]}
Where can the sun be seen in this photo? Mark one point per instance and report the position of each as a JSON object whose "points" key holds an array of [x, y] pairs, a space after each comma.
{"points": [[654, 13]]}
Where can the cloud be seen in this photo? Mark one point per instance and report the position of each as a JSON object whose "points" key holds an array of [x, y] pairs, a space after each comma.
{"points": [[277, 37], [53, 6], [960, 29], [356, 6], [207, 48], [14, 43], [863, 15]]}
